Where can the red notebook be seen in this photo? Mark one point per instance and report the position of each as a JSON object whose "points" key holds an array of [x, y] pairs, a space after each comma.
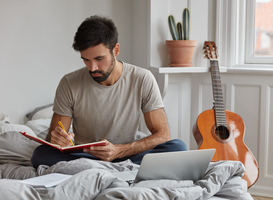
{"points": [[68, 149]]}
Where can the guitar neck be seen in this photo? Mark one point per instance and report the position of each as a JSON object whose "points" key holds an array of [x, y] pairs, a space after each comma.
{"points": [[219, 106]]}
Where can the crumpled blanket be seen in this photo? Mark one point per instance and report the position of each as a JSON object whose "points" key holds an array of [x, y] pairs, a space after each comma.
{"points": [[93, 180]]}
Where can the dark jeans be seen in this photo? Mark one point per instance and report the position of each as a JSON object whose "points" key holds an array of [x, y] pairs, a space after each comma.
{"points": [[46, 155]]}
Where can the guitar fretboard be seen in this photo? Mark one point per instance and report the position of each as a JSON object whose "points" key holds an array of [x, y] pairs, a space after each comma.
{"points": [[219, 107]]}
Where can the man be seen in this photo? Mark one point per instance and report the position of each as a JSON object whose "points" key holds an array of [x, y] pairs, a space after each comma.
{"points": [[104, 101]]}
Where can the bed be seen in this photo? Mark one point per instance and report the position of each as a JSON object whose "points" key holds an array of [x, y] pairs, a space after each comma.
{"points": [[93, 179]]}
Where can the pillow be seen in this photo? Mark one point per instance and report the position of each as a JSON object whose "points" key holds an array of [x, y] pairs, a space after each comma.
{"points": [[41, 127], [4, 127], [15, 142], [12, 140], [43, 112]]}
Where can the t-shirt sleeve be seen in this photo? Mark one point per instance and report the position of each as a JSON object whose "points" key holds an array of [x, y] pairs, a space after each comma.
{"points": [[151, 97], [63, 102]]}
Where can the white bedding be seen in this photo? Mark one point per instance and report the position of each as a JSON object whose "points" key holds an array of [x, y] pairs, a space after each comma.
{"points": [[94, 180]]}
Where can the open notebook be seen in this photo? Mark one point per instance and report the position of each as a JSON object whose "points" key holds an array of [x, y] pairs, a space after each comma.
{"points": [[69, 149]]}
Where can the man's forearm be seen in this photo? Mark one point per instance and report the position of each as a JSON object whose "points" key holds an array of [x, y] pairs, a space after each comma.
{"points": [[145, 144]]}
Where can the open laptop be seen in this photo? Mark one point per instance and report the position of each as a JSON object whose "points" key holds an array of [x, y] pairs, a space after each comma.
{"points": [[180, 165]]}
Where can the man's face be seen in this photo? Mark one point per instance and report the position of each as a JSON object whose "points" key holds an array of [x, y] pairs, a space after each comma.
{"points": [[99, 61]]}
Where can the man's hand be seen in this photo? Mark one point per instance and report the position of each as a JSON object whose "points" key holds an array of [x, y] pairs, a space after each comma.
{"points": [[56, 134], [106, 153], [60, 137]]}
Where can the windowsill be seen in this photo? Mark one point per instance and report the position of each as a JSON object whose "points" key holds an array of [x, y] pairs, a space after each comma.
{"points": [[240, 69], [255, 70], [186, 70], [162, 73]]}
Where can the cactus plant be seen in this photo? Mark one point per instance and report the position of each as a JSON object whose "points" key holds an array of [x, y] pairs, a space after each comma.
{"points": [[186, 23], [172, 27], [181, 31]]}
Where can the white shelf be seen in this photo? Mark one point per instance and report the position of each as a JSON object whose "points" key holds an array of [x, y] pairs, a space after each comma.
{"points": [[162, 74], [175, 70], [253, 69]]}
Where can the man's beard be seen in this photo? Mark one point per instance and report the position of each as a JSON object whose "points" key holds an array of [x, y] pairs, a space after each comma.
{"points": [[104, 75]]}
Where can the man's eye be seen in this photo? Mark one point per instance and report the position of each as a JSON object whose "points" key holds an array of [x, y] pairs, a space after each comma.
{"points": [[99, 58]]}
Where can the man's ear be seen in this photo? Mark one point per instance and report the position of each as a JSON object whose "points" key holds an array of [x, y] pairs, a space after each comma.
{"points": [[116, 50]]}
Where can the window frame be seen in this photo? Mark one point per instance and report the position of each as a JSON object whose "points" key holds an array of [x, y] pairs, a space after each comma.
{"points": [[234, 21], [250, 28]]}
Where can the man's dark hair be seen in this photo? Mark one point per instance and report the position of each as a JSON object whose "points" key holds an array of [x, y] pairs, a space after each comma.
{"points": [[94, 31]]}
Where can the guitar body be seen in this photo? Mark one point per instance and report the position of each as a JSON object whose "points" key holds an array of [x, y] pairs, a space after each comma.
{"points": [[227, 141]]}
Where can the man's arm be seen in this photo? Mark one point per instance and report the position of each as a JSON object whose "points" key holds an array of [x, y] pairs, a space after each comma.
{"points": [[56, 134], [157, 123]]}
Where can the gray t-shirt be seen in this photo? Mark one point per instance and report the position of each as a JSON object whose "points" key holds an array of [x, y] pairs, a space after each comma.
{"points": [[107, 112]]}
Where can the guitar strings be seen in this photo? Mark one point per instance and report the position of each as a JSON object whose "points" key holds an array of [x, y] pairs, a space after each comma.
{"points": [[221, 130]]}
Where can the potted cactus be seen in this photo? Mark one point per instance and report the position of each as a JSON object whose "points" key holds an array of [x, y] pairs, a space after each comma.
{"points": [[181, 48]]}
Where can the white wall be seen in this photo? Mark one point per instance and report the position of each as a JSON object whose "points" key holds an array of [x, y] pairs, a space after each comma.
{"points": [[159, 33], [35, 51]]}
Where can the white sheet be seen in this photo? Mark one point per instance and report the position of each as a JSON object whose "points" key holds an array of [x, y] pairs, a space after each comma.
{"points": [[94, 180]]}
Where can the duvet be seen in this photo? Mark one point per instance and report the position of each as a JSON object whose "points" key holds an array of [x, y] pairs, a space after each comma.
{"points": [[94, 180]]}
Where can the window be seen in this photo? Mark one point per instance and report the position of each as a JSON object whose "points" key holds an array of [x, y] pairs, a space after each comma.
{"points": [[259, 32], [264, 28], [244, 31]]}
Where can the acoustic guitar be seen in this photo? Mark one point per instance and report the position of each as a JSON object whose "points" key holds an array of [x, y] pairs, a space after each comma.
{"points": [[221, 129]]}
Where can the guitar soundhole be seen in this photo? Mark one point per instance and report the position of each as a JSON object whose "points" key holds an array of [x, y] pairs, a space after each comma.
{"points": [[222, 132]]}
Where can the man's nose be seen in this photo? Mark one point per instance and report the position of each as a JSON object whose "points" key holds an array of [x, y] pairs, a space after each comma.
{"points": [[92, 66]]}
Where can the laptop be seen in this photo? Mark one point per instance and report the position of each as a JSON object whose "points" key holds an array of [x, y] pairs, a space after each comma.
{"points": [[179, 165]]}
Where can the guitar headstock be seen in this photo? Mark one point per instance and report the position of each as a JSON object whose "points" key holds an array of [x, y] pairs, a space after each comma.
{"points": [[210, 50]]}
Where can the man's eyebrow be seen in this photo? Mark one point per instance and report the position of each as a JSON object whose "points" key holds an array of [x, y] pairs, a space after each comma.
{"points": [[99, 57], [84, 58]]}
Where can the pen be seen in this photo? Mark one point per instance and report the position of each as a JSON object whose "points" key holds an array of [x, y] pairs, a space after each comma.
{"points": [[61, 125]]}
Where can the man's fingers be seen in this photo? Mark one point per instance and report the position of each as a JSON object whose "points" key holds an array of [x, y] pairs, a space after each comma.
{"points": [[58, 142], [71, 136], [105, 153], [60, 138], [105, 156], [97, 150], [62, 143], [62, 132]]}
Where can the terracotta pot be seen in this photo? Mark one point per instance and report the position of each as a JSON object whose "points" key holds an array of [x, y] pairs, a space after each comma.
{"points": [[181, 52]]}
